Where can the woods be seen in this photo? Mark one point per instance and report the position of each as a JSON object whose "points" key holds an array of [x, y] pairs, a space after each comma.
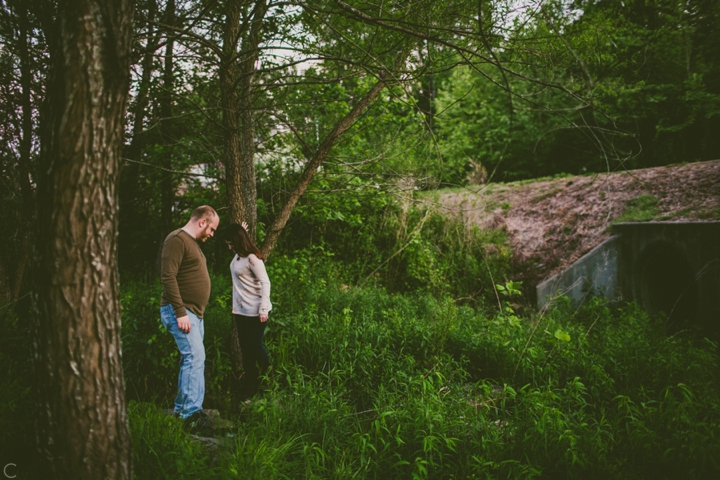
{"points": [[320, 124]]}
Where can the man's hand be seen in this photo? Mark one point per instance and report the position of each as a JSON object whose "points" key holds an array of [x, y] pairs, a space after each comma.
{"points": [[263, 318], [184, 324]]}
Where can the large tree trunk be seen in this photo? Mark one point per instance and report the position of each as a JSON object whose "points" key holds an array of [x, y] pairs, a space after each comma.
{"points": [[237, 88], [82, 426], [231, 137]]}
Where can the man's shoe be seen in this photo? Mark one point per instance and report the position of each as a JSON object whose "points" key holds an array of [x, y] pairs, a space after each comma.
{"points": [[199, 424]]}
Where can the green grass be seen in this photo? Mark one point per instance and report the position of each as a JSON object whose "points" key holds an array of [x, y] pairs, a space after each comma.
{"points": [[709, 214], [413, 373], [368, 384], [641, 209]]}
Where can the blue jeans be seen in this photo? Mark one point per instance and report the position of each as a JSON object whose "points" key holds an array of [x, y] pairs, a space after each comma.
{"points": [[191, 381]]}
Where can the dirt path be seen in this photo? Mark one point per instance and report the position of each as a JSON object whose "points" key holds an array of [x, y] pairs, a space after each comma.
{"points": [[553, 222]]}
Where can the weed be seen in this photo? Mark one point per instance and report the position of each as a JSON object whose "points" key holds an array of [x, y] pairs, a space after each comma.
{"points": [[550, 193], [641, 209], [709, 214]]}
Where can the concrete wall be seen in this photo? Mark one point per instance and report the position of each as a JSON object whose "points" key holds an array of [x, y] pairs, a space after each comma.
{"points": [[673, 268], [668, 268], [594, 274]]}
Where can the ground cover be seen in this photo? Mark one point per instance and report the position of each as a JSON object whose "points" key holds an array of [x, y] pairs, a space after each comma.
{"points": [[369, 384], [420, 377], [552, 222]]}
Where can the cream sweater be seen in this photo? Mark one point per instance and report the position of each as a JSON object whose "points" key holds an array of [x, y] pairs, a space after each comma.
{"points": [[251, 286]]}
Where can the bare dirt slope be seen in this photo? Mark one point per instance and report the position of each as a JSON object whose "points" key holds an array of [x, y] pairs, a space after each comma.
{"points": [[553, 222]]}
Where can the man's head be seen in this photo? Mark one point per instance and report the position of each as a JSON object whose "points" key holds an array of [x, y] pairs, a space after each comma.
{"points": [[204, 221]]}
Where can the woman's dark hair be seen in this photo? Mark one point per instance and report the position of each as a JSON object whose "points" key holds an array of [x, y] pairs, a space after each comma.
{"points": [[240, 241]]}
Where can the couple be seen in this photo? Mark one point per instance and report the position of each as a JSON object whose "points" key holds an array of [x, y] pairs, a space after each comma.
{"points": [[186, 290]]}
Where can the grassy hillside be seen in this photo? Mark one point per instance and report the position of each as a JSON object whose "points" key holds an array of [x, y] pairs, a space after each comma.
{"points": [[552, 222]]}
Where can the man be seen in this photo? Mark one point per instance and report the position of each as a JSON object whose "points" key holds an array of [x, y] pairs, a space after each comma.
{"points": [[186, 290]]}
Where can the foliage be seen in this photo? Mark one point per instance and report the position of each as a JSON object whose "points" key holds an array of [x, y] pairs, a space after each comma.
{"points": [[161, 448], [590, 86], [367, 384], [404, 246], [371, 384], [23, 65], [641, 209]]}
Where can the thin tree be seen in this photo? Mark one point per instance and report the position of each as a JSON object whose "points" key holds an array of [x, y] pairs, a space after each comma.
{"points": [[19, 41]]}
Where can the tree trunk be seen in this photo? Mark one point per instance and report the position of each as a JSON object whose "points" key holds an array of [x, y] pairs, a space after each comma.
{"points": [[239, 71], [132, 210], [27, 220], [237, 87], [142, 99], [248, 64], [311, 167], [167, 192], [231, 137], [230, 106], [81, 426]]}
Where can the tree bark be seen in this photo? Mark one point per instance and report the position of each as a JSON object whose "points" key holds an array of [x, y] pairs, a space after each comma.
{"points": [[311, 167], [167, 192], [81, 425], [248, 64], [230, 105], [237, 88]]}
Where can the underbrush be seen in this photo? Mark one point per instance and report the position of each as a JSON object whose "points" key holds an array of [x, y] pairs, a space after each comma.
{"points": [[369, 384], [417, 377]]}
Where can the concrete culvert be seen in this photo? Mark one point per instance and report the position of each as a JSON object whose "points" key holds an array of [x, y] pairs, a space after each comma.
{"points": [[667, 285]]}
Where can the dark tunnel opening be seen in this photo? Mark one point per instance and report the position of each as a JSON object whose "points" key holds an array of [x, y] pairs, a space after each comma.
{"points": [[667, 285]]}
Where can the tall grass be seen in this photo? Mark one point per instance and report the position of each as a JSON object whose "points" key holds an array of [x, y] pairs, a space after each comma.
{"points": [[369, 384], [370, 380]]}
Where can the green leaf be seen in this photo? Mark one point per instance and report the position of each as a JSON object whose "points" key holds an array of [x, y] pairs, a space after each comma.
{"points": [[560, 335]]}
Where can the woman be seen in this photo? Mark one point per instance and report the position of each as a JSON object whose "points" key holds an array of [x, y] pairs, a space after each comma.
{"points": [[251, 304]]}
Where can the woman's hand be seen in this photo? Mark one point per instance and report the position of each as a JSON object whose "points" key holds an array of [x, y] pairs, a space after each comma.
{"points": [[263, 318], [245, 226]]}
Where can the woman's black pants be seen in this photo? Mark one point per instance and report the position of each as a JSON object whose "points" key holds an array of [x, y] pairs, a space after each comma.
{"points": [[255, 358]]}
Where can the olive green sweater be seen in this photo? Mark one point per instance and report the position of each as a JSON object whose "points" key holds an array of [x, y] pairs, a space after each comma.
{"points": [[184, 275]]}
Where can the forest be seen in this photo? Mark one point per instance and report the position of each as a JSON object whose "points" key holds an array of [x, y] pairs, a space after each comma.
{"points": [[403, 341]]}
